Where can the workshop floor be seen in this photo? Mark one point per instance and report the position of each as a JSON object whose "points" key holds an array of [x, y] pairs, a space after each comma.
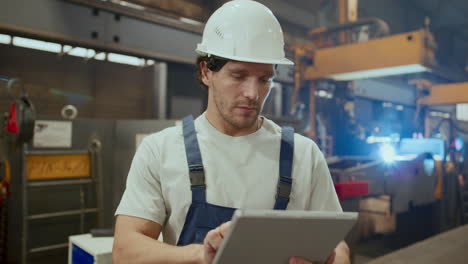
{"points": [[360, 259], [414, 226], [365, 251]]}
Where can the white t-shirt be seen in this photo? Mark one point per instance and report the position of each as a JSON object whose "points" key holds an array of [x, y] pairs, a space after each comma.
{"points": [[241, 172]]}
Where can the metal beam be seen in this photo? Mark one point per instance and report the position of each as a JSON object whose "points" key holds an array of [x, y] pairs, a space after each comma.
{"points": [[181, 8], [80, 25], [398, 54], [384, 91], [149, 14], [443, 94], [47, 248], [62, 213], [110, 27]]}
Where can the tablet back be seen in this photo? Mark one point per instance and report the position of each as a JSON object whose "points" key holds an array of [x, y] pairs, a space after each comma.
{"points": [[272, 236]]}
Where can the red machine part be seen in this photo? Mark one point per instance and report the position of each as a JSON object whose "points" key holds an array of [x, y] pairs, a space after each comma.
{"points": [[351, 189]]}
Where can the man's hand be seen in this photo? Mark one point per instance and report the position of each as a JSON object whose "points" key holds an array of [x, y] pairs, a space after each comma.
{"points": [[213, 240], [299, 260]]}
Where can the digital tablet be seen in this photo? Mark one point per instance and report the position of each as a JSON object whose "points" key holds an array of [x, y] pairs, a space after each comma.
{"points": [[273, 236]]}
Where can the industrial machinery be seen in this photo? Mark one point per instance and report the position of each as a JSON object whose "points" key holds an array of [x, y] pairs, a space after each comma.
{"points": [[406, 173], [331, 60], [454, 169], [342, 54], [403, 178], [374, 58], [70, 178], [420, 176], [407, 178]]}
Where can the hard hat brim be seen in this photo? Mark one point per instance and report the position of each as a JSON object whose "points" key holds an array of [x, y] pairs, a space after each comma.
{"points": [[282, 61]]}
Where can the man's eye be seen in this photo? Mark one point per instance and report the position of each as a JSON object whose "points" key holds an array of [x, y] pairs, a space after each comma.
{"points": [[237, 77]]}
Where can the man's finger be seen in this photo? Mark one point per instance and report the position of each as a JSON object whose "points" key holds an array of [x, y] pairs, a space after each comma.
{"points": [[224, 228], [331, 258], [214, 238]]}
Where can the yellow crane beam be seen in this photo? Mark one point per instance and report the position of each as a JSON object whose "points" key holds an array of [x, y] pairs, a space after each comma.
{"points": [[443, 94], [393, 55]]}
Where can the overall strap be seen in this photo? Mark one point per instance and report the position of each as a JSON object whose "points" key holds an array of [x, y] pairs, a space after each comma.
{"points": [[194, 160], [285, 168]]}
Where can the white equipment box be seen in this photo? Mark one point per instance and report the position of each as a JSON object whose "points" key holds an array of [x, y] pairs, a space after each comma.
{"points": [[85, 249]]}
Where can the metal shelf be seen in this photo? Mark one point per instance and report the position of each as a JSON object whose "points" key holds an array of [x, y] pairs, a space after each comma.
{"points": [[81, 182], [62, 213], [46, 248], [59, 182], [55, 152]]}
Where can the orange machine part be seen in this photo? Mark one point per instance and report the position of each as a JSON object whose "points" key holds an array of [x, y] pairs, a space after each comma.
{"points": [[48, 167]]}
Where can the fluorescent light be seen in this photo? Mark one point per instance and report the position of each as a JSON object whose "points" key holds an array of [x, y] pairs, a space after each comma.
{"points": [[131, 5], [78, 51], [82, 52], [406, 69], [37, 44], [67, 48], [100, 56], [5, 39], [190, 21], [74, 51], [119, 58]]}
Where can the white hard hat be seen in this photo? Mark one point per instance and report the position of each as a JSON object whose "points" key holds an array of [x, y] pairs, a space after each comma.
{"points": [[244, 30]]}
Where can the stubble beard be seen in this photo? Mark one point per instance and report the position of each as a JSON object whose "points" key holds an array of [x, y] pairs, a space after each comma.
{"points": [[227, 113]]}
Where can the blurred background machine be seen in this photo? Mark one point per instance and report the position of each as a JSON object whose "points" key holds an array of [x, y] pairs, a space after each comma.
{"points": [[72, 188], [399, 181], [68, 177], [391, 166]]}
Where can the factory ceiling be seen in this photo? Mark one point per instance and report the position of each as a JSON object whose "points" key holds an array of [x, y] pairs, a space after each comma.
{"points": [[449, 19], [447, 14], [449, 22]]}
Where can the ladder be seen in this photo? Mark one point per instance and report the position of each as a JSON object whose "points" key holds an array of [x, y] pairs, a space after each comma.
{"points": [[465, 203], [31, 165]]}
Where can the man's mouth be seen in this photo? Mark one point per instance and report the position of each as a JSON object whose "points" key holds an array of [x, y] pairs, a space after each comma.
{"points": [[247, 109]]}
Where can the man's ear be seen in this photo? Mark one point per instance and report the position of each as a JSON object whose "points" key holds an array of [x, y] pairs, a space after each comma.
{"points": [[206, 74]]}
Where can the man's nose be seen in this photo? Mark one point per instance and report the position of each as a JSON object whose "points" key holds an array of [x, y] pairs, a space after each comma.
{"points": [[250, 89]]}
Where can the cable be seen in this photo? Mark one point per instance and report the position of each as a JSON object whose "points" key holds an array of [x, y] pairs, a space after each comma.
{"points": [[453, 123]]}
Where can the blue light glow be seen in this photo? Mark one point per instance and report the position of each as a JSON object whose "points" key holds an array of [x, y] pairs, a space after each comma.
{"points": [[388, 153]]}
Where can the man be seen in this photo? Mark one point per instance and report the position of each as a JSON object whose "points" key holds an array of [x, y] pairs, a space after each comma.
{"points": [[186, 181]]}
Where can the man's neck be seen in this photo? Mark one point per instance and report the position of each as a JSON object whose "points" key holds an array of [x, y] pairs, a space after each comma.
{"points": [[224, 127]]}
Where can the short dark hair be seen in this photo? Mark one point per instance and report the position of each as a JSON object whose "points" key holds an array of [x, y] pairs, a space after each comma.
{"points": [[213, 63]]}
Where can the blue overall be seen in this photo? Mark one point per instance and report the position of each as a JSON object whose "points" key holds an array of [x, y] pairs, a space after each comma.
{"points": [[202, 216]]}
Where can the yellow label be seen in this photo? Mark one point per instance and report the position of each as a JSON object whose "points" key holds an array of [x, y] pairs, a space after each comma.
{"points": [[47, 167]]}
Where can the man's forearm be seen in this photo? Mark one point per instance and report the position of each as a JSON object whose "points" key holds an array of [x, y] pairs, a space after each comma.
{"points": [[342, 253], [140, 249]]}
